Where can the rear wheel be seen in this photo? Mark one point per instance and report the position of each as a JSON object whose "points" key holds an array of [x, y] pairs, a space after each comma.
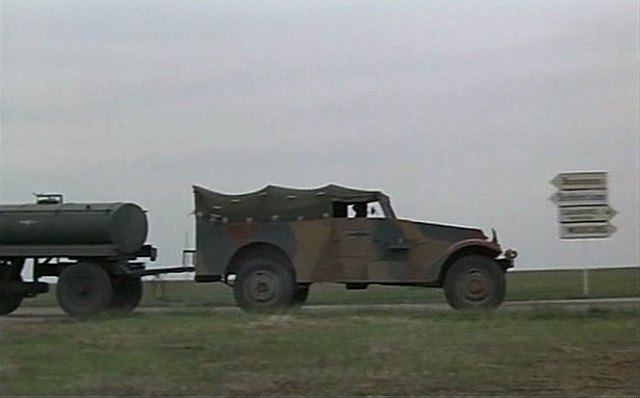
{"points": [[475, 282], [127, 293], [84, 289], [263, 284]]}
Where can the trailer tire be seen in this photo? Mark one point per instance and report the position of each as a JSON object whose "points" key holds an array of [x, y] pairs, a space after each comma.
{"points": [[263, 285], [9, 303], [127, 293], [10, 271], [83, 290]]}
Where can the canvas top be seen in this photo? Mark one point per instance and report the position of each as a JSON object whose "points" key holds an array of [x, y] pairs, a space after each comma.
{"points": [[281, 203]]}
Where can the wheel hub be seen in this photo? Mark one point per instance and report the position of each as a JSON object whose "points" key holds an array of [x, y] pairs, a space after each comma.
{"points": [[262, 286], [476, 286], [82, 288]]}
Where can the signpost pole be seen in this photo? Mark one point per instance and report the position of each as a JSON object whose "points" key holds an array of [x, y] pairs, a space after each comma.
{"points": [[585, 270], [585, 281]]}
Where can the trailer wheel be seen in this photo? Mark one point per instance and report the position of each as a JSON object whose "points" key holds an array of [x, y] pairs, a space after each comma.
{"points": [[127, 293], [474, 282], [10, 272], [263, 285], [84, 289], [9, 303]]}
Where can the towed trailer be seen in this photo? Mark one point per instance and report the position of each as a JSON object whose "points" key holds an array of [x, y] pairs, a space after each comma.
{"points": [[97, 251]]}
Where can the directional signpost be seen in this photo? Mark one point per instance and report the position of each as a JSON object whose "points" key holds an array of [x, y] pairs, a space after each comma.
{"points": [[575, 214], [583, 208], [583, 205], [584, 197], [590, 230]]}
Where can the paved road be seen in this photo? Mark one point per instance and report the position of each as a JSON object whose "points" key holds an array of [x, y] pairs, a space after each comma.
{"points": [[41, 314]]}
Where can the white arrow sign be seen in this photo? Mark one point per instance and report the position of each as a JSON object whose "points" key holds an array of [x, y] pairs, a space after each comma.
{"points": [[586, 230], [589, 197], [580, 180], [586, 214]]}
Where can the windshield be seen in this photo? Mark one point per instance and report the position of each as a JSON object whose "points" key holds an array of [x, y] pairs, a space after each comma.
{"points": [[375, 209]]}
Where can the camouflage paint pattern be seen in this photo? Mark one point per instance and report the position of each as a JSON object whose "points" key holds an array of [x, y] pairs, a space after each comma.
{"points": [[343, 250]]}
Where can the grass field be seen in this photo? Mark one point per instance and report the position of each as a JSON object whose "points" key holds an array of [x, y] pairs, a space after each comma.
{"points": [[523, 285], [341, 353]]}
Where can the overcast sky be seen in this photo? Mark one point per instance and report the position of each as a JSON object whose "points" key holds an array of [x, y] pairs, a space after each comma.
{"points": [[461, 111]]}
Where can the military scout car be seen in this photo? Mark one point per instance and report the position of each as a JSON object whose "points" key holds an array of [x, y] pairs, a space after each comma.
{"points": [[271, 245]]}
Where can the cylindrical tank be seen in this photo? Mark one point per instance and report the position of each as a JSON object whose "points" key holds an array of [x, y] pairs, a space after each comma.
{"points": [[123, 225]]}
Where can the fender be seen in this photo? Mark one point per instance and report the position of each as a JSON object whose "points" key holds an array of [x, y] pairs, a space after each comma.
{"points": [[434, 271], [217, 244], [258, 246]]}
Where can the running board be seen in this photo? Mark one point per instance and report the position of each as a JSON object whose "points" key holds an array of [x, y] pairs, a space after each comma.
{"points": [[160, 271]]}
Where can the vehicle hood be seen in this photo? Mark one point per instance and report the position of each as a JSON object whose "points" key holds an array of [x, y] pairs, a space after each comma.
{"points": [[449, 233]]}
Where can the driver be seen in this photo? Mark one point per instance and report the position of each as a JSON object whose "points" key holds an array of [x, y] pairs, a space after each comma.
{"points": [[360, 209]]}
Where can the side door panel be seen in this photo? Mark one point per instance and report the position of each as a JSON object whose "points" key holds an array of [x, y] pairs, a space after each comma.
{"points": [[351, 249], [391, 264], [313, 245]]}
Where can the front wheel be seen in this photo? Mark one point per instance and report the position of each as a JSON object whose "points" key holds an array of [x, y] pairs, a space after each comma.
{"points": [[84, 289], [474, 282], [263, 285]]}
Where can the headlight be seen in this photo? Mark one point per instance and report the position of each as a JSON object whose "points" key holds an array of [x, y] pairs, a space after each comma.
{"points": [[510, 254]]}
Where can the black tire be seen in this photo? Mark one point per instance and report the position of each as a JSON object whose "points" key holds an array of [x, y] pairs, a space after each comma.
{"points": [[263, 284], [83, 290], [474, 282], [127, 293], [9, 303], [11, 272], [300, 295]]}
